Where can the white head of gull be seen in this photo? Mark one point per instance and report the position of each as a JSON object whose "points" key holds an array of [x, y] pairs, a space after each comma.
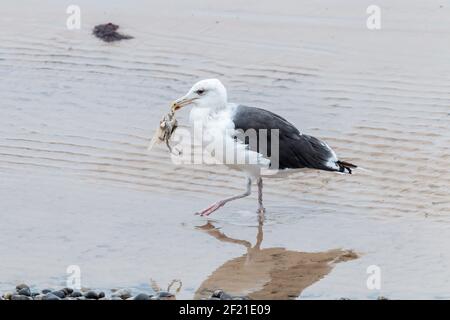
{"points": [[209, 93], [277, 145]]}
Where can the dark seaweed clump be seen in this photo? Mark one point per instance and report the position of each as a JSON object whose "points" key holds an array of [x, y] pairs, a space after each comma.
{"points": [[108, 32]]}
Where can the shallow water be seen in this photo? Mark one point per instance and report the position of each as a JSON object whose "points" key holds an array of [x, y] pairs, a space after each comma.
{"points": [[78, 186]]}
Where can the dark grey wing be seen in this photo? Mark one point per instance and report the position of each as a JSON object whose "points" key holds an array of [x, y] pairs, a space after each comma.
{"points": [[296, 150]]}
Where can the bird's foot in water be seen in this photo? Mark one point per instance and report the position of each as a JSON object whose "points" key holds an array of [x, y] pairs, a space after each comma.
{"points": [[211, 209]]}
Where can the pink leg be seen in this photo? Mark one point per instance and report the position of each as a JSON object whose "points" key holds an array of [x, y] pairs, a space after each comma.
{"points": [[221, 203]]}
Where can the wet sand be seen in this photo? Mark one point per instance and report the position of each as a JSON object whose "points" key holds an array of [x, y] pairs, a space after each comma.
{"points": [[77, 185]]}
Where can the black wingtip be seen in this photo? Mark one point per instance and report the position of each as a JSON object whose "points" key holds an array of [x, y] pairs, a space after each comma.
{"points": [[343, 166]]}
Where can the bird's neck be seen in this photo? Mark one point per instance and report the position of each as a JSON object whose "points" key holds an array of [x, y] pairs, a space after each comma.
{"points": [[199, 114], [202, 113]]}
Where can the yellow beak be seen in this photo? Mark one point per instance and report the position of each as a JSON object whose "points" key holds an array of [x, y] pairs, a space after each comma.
{"points": [[178, 104]]}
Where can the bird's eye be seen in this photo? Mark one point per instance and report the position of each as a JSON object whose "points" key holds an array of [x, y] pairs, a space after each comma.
{"points": [[200, 91]]}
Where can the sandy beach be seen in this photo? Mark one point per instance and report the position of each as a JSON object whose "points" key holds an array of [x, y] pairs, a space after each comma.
{"points": [[78, 186]]}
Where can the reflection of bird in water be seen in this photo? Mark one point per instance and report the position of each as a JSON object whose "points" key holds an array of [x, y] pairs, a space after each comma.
{"points": [[270, 273]]}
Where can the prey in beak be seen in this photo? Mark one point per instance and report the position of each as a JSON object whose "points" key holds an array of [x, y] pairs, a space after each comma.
{"points": [[167, 127]]}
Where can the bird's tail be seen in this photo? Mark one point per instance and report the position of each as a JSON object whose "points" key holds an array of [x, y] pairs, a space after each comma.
{"points": [[346, 167]]}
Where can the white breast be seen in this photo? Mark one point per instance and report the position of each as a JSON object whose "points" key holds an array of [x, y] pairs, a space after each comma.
{"points": [[217, 130]]}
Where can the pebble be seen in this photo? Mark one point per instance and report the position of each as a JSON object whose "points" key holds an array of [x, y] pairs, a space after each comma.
{"points": [[123, 294], [7, 295], [20, 297], [45, 291], [221, 295], [21, 286], [24, 292], [142, 296], [50, 296], [76, 294], [67, 291], [165, 294], [59, 293], [91, 295]]}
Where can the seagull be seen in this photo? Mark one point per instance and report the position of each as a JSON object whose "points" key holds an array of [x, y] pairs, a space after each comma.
{"points": [[281, 149]]}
